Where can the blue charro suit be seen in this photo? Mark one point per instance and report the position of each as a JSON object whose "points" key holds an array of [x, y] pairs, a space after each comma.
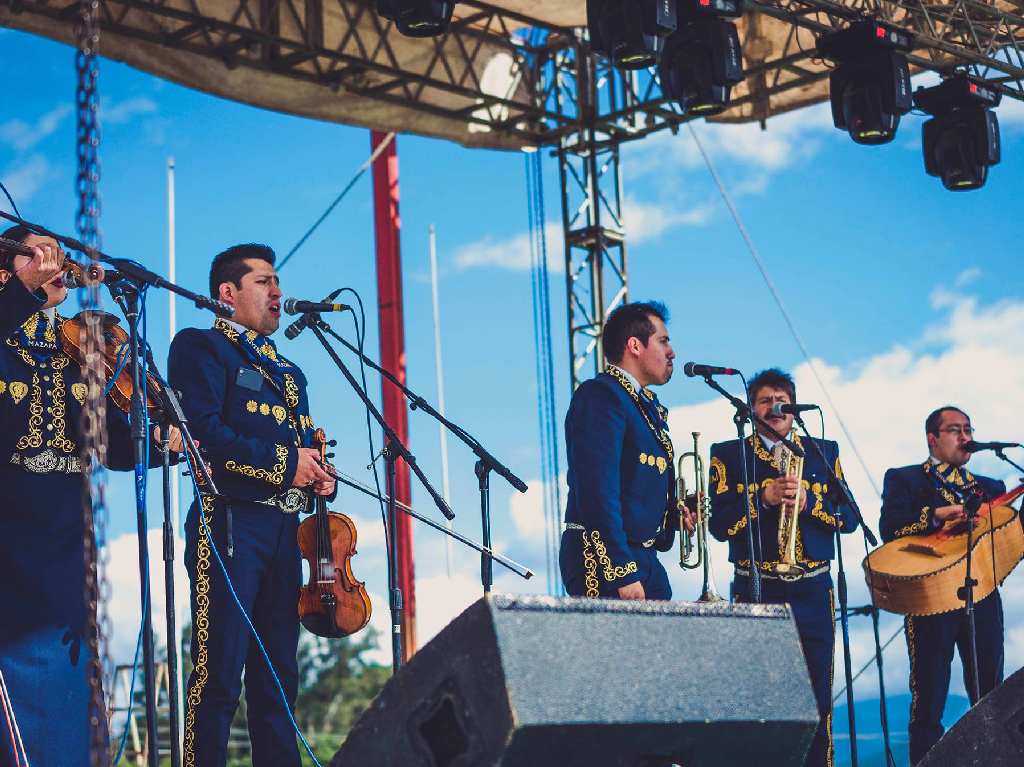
{"points": [[909, 498], [621, 489], [248, 408], [44, 650], [810, 597]]}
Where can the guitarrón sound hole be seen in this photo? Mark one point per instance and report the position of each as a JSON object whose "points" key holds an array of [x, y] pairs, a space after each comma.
{"points": [[444, 735]]}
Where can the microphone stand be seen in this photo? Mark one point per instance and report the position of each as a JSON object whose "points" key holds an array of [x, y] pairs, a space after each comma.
{"points": [[393, 450], [841, 496], [127, 292], [485, 464], [520, 570], [127, 295]]}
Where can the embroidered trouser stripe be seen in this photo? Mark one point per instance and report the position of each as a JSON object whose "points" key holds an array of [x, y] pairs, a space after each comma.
{"points": [[200, 633], [589, 567]]}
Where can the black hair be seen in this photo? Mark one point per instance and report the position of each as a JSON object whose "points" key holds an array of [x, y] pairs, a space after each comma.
{"points": [[229, 265], [774, 378], [630, 321], [18, 233], [934, 419]]}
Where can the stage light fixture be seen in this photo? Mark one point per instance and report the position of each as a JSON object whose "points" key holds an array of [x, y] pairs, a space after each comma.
{"points": [[703, 59], [961, 141], [418, 18], [870, 85], [630, 32]]}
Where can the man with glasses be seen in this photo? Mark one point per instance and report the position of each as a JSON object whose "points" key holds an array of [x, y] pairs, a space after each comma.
{"points": [[917, 500]]}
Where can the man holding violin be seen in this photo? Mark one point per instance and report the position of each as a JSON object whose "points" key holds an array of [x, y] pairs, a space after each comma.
{"points": [[44, 647], [916, 500], [247, 404]]}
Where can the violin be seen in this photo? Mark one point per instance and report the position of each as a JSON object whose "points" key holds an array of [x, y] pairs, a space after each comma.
{"points": [[333, 604], [115, 340]]}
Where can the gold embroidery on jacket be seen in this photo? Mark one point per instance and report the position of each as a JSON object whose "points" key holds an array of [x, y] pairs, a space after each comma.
{"points": [[60, 440], [18, 391], [610, 571], [274, 476], [34, 438]]}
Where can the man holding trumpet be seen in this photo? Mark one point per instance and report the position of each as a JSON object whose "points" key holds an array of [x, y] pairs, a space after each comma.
{"points": [[793, 533], [622, 504]]}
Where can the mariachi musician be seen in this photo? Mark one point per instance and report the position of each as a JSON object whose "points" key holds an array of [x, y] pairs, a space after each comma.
{"points": [[920, 499], [795, 556], [621, 506], [247, 405], [44, 634]]}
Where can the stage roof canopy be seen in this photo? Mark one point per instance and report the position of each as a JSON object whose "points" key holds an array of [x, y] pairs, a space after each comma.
{"points": [[506, 75]]}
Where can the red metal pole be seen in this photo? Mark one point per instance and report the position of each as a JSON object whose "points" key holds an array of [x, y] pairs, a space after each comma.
{"points": [[387, 227]]}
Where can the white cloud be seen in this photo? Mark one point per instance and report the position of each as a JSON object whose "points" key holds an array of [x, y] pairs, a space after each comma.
{"points": [[527, 510], [125, 606], [124, 111], [785, 139], [971, 356], [642, 221], [648, 221], [512, 253], [27, 176], [22, 136]]}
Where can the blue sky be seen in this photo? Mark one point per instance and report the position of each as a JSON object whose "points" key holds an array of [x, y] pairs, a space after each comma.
{"points": [[905, 294]]}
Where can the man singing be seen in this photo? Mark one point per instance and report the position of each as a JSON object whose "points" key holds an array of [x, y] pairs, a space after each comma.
{"points": [[808, 593], [247, 406], [621, 489], [920, 499], [45, 629]]}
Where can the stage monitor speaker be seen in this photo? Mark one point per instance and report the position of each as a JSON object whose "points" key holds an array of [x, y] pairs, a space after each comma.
{"points": [[991, 734], [545, 682]]}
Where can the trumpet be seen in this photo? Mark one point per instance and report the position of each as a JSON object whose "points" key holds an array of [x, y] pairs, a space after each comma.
{"points": [[693, 547], [790, 466]]}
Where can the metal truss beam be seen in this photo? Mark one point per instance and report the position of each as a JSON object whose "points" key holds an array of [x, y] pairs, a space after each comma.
{"points": [[344, 46]]}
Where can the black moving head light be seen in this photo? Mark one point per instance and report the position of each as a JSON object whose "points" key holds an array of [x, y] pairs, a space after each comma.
{"points": [[630, 32], [418, 18], [870, 86], [961, 141]]}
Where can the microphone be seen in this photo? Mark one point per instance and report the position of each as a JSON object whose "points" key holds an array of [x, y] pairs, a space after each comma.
{"points": [[974, 447], [693, 369], [780, 408], [292, 331], [298, 306]]}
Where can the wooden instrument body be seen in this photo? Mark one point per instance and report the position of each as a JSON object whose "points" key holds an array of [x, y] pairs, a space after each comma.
{"points": [[333, 603], [924, 574], [72, 337], [351, 603]]}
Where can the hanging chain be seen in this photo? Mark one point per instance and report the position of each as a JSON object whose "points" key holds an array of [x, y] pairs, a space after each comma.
{"points": [[94, 432]]}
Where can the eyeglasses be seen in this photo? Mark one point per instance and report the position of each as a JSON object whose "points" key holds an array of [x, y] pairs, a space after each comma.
{"points": [[967, 431]]}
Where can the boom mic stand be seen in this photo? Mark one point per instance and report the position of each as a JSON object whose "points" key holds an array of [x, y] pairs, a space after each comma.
{"points": [[842, 496], [393, 450], [523, 572], [485, 461]]}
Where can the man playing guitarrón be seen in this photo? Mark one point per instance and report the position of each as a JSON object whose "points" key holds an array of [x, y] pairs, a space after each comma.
{"points": [[920, 499]]}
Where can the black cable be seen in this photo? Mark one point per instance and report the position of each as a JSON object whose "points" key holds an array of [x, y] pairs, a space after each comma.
{"points": [[11, 200], [360, 325]]}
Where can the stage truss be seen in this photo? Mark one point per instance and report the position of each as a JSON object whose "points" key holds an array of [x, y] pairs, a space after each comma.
{"points": [[505, 77]]}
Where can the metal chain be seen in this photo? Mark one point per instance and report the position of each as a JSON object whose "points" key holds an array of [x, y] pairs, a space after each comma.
{"points": [[93, 426]]}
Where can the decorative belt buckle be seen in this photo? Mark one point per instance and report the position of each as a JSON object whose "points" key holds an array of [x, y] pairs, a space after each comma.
{"points": [[293, 501]]}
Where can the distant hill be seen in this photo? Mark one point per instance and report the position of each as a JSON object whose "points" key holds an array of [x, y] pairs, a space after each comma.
{"points": [[870, 744]]}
